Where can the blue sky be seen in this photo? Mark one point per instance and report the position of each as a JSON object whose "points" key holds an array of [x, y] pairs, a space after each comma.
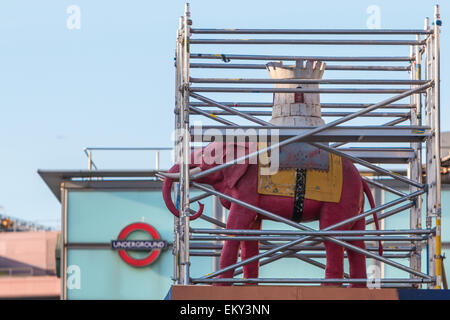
{"points": [[110, 83]]}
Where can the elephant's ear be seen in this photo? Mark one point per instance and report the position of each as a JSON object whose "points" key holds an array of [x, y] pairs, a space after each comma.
{"points": [[233, 173]]}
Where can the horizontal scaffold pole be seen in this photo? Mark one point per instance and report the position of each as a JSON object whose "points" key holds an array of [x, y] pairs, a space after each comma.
{"points": [[305, 280], [324, 114], [309, 42], [329, 67], [305, 233], [311, 31], [299, 255], [294, 90], [291, 238], [322, 105], [228, 57], [309, 81], [218, 246]]}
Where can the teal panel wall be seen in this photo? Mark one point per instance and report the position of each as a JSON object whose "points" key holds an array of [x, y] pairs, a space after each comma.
{"points": [[99, 216], [104, 275], [401, 221]]}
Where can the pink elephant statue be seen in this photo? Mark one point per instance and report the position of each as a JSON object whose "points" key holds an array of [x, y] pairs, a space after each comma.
{"points": [[240, 181]]}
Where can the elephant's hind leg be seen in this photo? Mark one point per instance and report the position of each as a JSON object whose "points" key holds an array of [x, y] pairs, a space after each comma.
{"points": [[238, 218], [357, 261]]}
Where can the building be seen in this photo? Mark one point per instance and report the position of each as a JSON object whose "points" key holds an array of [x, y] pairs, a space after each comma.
{"points": [[28, 265]]}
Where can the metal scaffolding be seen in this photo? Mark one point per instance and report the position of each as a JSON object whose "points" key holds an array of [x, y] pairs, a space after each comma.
{"points": [[403, 143]]}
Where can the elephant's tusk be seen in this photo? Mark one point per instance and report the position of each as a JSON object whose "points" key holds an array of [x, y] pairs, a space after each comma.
{"points": [[194, 171], [176, 175], [170, 175]]}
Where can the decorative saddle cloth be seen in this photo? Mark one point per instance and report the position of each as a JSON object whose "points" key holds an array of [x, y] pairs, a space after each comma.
{"points": [[303, 184]]}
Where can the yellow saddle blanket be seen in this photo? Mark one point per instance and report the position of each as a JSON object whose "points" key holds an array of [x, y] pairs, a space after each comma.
{"points": [[321, 185]]}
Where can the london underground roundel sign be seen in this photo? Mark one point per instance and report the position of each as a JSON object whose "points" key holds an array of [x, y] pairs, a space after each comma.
{"points": [[154, 246]]}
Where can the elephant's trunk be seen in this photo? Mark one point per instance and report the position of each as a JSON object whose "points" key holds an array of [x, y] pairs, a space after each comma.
{"points": [[167, 192], [167, 195]]}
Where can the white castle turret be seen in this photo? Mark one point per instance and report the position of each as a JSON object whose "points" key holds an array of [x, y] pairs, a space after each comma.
{"points": [[296, 109]]}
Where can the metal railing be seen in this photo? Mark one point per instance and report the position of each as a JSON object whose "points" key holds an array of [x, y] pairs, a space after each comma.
{"points": [[89, 152], [16, 271], [18, 225]]}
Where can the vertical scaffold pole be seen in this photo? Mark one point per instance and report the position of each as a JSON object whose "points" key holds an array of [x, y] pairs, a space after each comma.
{"points": [[428, 152], [415, 164], [185, 152], [437, 142], [433, 152], [176, 155]]}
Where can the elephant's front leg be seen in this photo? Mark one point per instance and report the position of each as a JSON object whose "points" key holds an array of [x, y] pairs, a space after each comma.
{"points": [[250, 249], [334, 253], [238, 218], [335, 262]]}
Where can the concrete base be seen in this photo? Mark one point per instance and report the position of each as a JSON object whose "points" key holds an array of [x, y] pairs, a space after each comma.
{"points": [[277, 292]]}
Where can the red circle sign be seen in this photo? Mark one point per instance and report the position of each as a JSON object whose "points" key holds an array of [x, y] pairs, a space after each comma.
{"points": [[154, 253]]}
